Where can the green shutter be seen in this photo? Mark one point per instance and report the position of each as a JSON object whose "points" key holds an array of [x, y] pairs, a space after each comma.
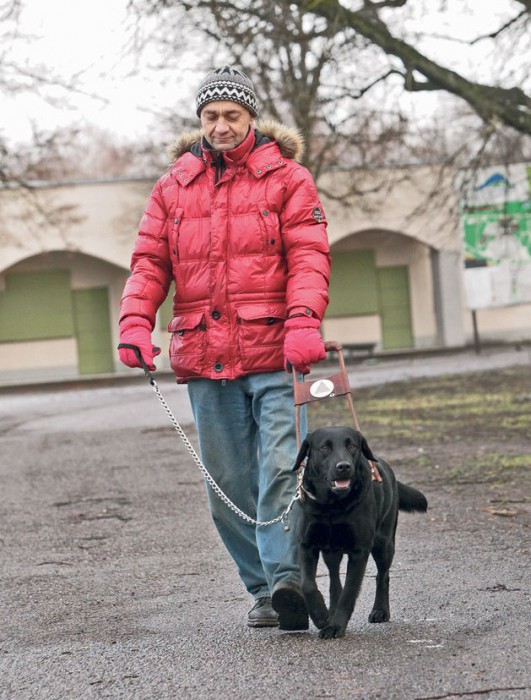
{"points": [[166, 310], [93, 330], [36, 306], [353, 284]]}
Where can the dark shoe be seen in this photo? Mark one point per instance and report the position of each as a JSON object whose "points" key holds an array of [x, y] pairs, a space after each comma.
{"points": [[289, 603], [262, 614]]}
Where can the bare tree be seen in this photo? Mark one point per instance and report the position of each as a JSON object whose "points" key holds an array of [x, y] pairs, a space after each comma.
{"points": [[507, 105], [21, 165], [91, 153], [336, 74], [306, 72], [19, 76]]}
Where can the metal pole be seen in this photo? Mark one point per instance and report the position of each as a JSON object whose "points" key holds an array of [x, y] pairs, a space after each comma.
{"points": [[477, 346]]}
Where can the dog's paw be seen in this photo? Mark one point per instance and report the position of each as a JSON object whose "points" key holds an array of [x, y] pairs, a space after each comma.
{"points": [[332, 632], [379, 615], [320, 622]]}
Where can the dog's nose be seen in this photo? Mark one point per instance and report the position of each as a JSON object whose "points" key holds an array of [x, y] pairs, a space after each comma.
{"points": [[342, 466]]}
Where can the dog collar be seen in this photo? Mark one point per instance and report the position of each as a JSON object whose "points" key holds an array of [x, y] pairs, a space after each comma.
{"points": [[303, 494], [301, 491]]}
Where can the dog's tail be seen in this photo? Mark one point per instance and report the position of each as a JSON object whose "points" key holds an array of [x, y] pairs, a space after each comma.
{"points": [[410, 500]]}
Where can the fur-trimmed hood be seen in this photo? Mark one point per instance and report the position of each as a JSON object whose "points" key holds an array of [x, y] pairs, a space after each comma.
{"points": [[288, 139]]}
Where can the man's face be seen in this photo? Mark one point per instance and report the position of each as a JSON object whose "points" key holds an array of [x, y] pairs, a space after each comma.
{"points": [[225, 124]]}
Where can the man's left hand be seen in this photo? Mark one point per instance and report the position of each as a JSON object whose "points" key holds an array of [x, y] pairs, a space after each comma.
{"points": [[303, 344]]}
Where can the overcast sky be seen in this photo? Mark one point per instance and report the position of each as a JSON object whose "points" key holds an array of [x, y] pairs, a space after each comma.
{"points": [[71, 36]]}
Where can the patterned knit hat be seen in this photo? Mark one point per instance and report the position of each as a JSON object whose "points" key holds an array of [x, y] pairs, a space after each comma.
{"points": [[227, 84]]}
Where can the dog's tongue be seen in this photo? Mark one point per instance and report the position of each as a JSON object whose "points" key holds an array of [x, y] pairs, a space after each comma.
{"points": [[342, 484]]}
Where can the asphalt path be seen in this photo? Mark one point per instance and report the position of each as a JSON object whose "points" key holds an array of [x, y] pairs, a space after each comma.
{"points": [[114, 583], [130, 402]]}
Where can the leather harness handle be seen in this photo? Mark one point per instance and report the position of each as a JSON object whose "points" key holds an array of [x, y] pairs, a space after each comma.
{"points": [[338, 384]]}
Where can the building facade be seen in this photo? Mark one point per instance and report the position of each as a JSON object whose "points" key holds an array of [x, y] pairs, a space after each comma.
{"points": [[397, 272]]}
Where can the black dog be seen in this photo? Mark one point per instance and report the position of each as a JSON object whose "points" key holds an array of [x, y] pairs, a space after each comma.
{"points": [[345, 512]]}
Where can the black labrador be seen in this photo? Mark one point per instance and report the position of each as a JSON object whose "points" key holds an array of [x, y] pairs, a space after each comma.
{"points": [[345, 511]]}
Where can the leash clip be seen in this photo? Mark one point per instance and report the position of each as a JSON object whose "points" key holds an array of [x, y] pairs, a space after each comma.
{"points": [[300, 475]]}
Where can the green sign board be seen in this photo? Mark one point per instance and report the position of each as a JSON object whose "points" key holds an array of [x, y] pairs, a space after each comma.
{"points": [[496, 226]]}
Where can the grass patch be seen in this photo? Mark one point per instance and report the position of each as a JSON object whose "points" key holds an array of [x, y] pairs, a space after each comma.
{"points": [[491, 469], [436, 405], [458, 428]]}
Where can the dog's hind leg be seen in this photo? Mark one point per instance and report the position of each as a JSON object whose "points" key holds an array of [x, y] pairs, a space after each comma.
{"points": [[383, 553], [333, 561]]}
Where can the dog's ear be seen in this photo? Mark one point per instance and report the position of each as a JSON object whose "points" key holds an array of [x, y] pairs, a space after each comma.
{"points": [[366, 450], [305, 448]]}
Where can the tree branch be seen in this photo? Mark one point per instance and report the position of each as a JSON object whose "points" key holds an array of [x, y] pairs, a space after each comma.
{"points": [[499, 31], [509, 106]]}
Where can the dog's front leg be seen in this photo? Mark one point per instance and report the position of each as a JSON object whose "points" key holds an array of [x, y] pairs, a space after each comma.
{"points": [[312, 596], [333, 562], [338, 622]]}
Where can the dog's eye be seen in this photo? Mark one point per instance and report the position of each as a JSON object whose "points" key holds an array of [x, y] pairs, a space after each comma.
{"points": [[325, 449], [352, 448]]}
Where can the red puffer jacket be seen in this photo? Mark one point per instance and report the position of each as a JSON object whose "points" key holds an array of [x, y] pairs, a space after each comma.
{"points": [[246, 245]]}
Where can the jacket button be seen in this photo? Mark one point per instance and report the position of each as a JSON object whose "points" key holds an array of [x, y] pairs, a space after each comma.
{"points": [[218, 367], [265, 212], [216, 315]]}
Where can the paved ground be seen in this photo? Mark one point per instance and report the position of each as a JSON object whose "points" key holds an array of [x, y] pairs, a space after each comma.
{"points": [[95, 405], [114, 584]]}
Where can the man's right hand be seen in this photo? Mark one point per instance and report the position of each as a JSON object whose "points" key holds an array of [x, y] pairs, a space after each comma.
{"points": [[140, 336]]}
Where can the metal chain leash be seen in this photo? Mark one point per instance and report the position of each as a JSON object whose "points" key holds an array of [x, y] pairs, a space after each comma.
{"points": [[283, 518]]}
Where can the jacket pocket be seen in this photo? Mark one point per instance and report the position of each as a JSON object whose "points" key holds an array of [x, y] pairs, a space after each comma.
{"points": [[187, 344], [175, 229], [261, 336], [270, 228]]}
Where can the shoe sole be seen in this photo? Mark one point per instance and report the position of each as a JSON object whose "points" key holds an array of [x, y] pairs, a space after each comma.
{"points": [[263, 623], [291, 609]]}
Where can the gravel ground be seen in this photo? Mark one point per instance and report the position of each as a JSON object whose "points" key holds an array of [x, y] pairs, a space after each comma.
{"points": [[114, 584]]}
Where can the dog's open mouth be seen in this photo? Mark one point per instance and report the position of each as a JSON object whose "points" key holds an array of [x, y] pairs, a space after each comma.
{"points": [[341, 484]]}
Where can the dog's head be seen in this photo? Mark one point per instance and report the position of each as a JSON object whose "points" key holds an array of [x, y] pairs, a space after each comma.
{"points": [[337, 461]]}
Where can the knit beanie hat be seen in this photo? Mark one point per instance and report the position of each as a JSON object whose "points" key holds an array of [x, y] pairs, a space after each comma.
{"points": [[227, 84]]}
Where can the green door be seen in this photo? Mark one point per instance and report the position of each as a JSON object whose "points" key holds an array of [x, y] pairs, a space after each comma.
{"points": [[93, 330], [395, 309]]}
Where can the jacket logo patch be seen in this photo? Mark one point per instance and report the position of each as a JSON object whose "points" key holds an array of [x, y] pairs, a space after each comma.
{"points": [[317, 215]]}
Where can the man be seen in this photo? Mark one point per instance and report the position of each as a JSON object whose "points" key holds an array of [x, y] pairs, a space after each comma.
{"points": [[237, 224]]}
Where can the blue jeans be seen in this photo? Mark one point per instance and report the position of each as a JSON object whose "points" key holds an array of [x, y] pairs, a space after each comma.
{"points": [[247, 441]]}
